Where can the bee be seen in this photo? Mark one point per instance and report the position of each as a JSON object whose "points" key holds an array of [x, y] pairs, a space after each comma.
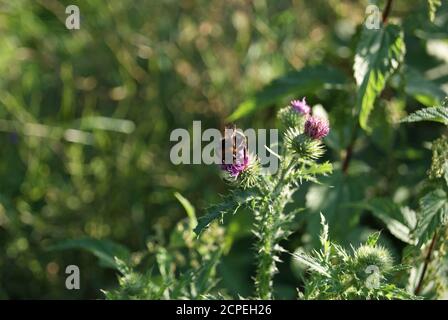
{"points": [[234, 143]]}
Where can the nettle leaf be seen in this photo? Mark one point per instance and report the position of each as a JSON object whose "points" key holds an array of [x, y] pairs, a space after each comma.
{"points": [[378, 56], [436, 114], [230, 204], [433, 214], [301, 82]]}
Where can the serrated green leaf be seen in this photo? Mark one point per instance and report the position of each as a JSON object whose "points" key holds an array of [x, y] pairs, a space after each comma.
{"points": [[311, 263], [378, 56], [298, 83], [311, 171], [433, 214], [436, 114], [229, 204]]}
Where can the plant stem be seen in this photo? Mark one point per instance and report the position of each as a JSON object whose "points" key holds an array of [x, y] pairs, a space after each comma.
{"points": [[426, 263], [267, 229], [348, 157], [266, 263], [387, 11], [349, 151]]}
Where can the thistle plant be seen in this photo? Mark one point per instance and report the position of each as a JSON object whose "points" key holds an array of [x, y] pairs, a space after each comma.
{"points": [[364, 272], [266, 196]]}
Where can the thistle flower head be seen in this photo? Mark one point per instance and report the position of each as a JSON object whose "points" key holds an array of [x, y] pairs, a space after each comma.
{"points": [[301, 106], [316, 128], [241, 162]]}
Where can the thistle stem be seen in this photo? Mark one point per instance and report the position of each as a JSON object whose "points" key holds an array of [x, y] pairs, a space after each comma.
{"points": [[267, 228], [426, 263], [266, 263]]}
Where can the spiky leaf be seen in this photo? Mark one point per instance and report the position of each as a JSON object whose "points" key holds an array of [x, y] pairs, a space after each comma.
{"points": [[230, 204]]}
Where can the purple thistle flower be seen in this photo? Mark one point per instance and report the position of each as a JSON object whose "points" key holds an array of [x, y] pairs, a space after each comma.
{"points": [[316, 128], [301, 106], [240, 163]]}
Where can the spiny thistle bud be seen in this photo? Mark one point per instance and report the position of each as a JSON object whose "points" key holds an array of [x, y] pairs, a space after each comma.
{"points": [[295, 114], [316, 128], [439, 165], [302, 145], [376, 256]]}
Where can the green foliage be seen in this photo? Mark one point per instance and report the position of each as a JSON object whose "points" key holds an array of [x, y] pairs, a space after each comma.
{"points": [[433, 214], [433, 6], [230, 204], [378, 55], [192, 284], [400, 221], [306, 80], [439, 164], [436, 114], [85, 120], [336, 273], [104, 250], [423, 90]]}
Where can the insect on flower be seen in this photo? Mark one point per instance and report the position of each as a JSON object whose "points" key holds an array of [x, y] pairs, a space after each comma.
{"points": [[234, 154]]}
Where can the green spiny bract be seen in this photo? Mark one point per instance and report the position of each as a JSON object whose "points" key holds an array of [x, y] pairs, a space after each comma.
{"points": [[290, 118], [303, 146], [248, 178]]}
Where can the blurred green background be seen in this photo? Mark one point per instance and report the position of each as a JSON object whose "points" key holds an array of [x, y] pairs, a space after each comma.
{"points": [[86, 115]]}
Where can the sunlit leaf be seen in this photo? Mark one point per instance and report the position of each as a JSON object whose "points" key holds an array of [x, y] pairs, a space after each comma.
{"points": [[378, 56]]}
